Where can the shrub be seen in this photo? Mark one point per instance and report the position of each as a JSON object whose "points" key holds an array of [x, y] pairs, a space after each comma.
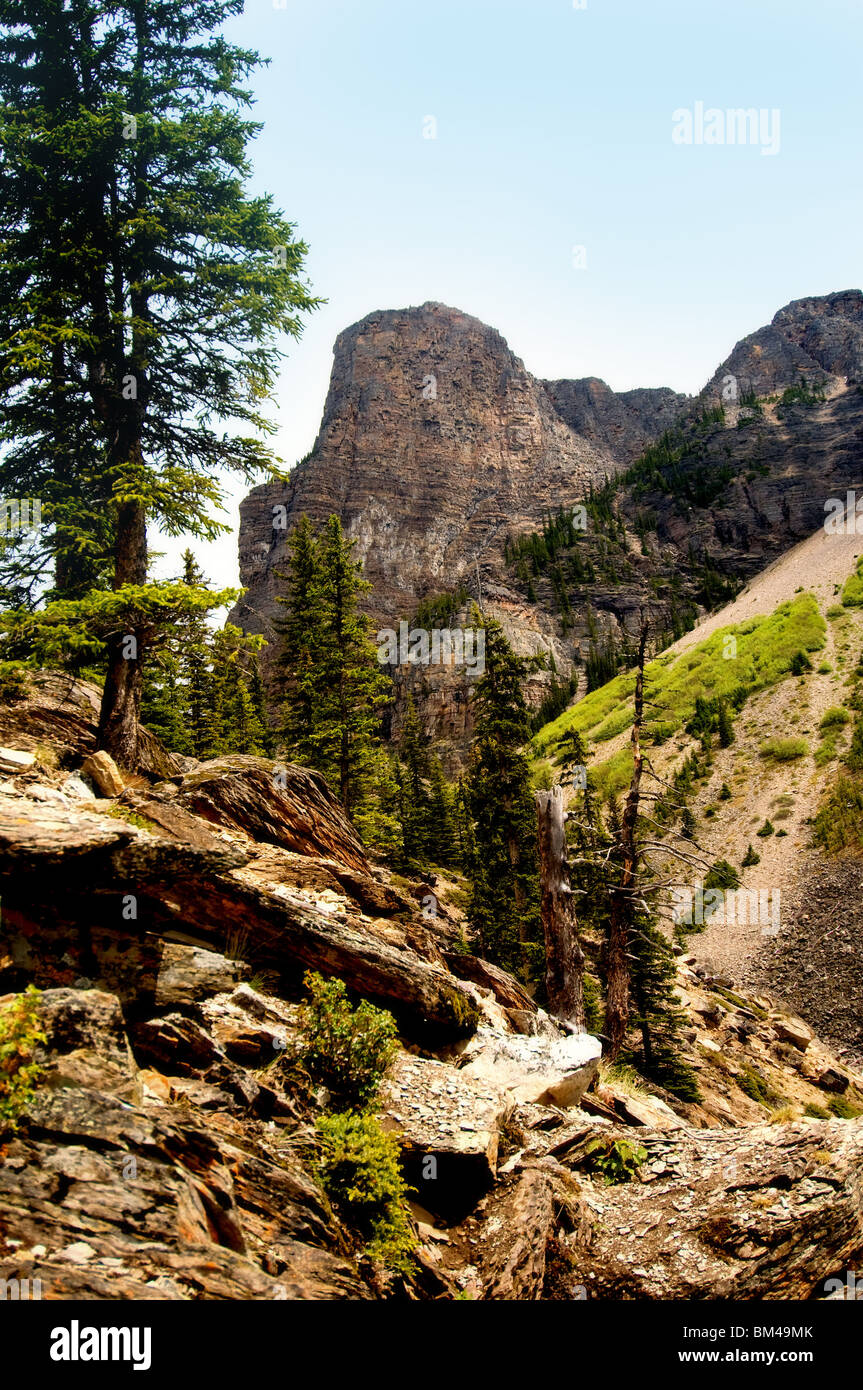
{"points": [[348, 1050], [750, 858], [834, 718], [19, 1072], [359, 1168], [725, 792], [766, 829], [616, 1160], [839, 823], [754, 1085], [784, 750], [843, 1109]]}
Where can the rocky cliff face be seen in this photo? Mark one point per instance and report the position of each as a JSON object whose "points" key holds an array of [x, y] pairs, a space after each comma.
{"points": [[808, 340], [167, 1151], [437, 446], [623, 422]]}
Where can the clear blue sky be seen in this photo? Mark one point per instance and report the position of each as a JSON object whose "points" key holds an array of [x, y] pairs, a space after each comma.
{"points": [[554, 130]]}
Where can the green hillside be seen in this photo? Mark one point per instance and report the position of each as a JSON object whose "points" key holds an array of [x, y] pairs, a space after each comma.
{"points": [[730, 665]]}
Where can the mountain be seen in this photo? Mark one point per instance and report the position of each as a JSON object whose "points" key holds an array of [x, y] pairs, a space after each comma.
{"points": [[435, 443], [445, 459], [622, 422]]}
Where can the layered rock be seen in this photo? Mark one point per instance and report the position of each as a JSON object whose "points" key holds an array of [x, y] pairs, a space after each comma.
{"points": [[623, 422], [435, 444]]}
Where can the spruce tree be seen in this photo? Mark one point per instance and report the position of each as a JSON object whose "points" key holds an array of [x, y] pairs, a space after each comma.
{"points": [[415, 802], [144, 292], [336, 686], [300, 637], [504, 872]]}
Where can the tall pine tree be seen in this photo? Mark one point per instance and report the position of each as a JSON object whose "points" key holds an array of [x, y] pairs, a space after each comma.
{"points": [[504, 870], [144, 292]]}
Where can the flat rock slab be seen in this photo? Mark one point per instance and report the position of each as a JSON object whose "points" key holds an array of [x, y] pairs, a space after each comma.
{"points": [[540, 1070], [449, 1125]]}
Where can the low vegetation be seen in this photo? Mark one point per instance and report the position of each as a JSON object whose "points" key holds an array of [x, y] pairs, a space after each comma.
{"points": [[20, 1035]]}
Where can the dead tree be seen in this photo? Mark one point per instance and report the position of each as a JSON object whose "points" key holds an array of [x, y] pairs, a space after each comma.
{"points": [[564, 958]]}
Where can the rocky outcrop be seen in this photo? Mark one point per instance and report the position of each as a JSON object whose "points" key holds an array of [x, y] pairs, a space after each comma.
{"points": [[810, 340], [623, 422], [435, 444]]}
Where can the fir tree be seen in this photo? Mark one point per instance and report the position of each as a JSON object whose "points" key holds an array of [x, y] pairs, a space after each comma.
{"points": [[336, 686], [415, 774], [504, 873], [144, 293]]}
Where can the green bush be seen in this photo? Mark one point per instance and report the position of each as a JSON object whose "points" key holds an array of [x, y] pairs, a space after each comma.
{"points": [[843, 1109], [750, 858], [359, 1168], [348, 1050], [834, 718], [839, 823], [766, 829], [615, 1160], [19, 1072], [784, 750]]}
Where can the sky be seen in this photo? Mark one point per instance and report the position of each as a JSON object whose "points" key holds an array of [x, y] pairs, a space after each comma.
{"points": [[524, 161]]}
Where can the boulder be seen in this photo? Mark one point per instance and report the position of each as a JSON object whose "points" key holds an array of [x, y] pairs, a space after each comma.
{"points": [[275, 803], [449, 1125], [505, 988], [550, 1071], [13, 760], [794, 1031], [103, 773], [189, 974], [86, 1041]]}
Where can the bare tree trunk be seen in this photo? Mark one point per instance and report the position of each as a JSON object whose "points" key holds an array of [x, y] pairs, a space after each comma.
{"points": [[617, 1007], [564, 958], [121, 698]]}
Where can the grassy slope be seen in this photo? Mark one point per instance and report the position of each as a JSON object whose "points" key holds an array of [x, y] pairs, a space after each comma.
{"points": [[759, 656]]}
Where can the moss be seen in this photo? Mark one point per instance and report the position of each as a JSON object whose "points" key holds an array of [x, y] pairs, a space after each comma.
{"points": [[132, 818]]}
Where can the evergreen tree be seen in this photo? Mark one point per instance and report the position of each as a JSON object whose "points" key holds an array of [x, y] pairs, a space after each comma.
{"points": [[442, 837], [300, 637], [658, 1014], [143, 291], [337, 688], [415, 773], [504, 873]]}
